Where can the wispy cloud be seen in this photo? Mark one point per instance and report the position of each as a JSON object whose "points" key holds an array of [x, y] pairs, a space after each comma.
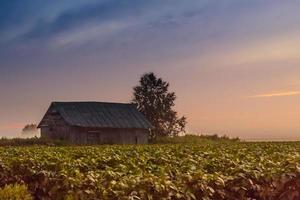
{"points": [[278, 94]]}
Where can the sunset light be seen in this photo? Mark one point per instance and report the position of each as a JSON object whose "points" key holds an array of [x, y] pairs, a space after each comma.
{"points": [[227, 61]]}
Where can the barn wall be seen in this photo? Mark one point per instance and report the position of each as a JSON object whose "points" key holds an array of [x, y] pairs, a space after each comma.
{"points": [[58, 129], [108, 136]]}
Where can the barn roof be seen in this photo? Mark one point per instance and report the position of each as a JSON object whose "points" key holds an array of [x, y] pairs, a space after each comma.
{"points": [[100, 115]]}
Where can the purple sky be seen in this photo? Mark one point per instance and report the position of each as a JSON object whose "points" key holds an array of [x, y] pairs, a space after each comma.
{"points": [[235, 65]]}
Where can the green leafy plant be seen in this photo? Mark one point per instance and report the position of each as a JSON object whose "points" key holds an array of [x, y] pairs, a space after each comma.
{"points": [[15, 192], [207, 170]]}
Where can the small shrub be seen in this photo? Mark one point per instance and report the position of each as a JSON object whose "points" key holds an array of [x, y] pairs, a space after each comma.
{"points": [[31, 141], [15, 192], [194, 139]]}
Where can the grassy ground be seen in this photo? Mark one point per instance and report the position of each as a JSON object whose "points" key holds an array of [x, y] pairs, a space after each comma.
{"points": [[194, 139], [190, 139]]}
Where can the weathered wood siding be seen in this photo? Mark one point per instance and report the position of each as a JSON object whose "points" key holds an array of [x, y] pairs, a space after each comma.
{"points": [[109, 136], [58, 129]]}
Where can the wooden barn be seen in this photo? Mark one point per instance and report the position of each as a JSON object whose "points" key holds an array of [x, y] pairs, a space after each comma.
{"points": [[95, 123]]}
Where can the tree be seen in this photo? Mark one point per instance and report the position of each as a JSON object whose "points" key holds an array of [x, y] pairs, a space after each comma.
{"points": [[154, 100], [30, 129]]}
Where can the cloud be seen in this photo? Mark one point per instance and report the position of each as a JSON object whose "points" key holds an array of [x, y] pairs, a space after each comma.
{"points": [[279, 94], [100, 12], [90, 22], [89, 33], [18, 18]]}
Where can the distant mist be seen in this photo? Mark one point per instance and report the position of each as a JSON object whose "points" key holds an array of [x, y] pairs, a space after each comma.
{"points": [[29, 131]]}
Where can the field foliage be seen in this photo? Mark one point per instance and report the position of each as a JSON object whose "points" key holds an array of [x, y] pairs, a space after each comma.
{"points": [[30, 142], [194, 139], [159, 140], [171, 171]]}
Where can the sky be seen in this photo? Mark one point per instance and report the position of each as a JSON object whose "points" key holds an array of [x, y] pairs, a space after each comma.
{"points": [[234, 64]]}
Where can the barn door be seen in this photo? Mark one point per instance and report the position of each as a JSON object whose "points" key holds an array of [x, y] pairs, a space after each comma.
{"points": [[136, 140], [93, 137]]}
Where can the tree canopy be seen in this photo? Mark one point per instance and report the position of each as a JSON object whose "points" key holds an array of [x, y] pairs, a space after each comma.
{"points": [[30, 129], [156, 102]]}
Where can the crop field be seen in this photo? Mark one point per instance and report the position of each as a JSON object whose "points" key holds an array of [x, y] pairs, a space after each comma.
{"points": [[170, 171]]}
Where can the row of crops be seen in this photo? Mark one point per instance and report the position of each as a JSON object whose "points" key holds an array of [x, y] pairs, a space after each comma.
{"points": [[196, 171]]}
